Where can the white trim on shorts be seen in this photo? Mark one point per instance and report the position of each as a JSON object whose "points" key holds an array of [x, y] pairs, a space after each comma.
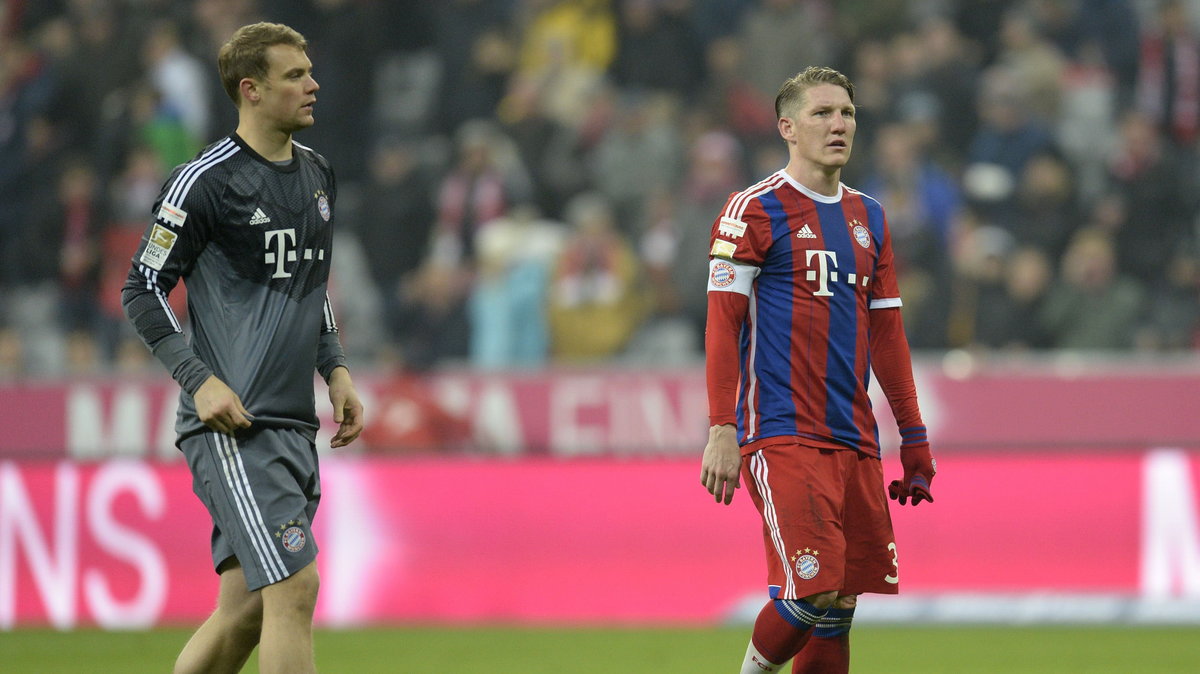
{"points": [[760, 472], [256, 529]]}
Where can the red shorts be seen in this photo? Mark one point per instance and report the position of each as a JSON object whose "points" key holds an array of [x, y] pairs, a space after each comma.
{"points": [[825, 517]]}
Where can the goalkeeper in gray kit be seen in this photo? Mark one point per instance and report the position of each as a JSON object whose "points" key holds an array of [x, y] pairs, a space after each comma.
{"points": [[248, 226]]}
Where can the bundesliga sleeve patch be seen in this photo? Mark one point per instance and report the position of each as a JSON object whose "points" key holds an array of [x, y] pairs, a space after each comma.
{"points": [[728, 276], [158, 248], [734, 229], [722, 248], [172, 214]]}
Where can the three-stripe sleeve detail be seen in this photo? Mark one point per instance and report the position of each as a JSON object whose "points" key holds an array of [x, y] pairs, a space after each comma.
{"points": [[219, 153], [151, 277], [737, 205], [330, 321]]}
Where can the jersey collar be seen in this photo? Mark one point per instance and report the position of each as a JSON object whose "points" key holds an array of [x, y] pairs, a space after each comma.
{"points": [[282, 168], [823, 198]]}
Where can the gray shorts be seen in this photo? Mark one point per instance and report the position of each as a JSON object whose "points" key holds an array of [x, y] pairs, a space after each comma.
{"points": [[261, 488]]}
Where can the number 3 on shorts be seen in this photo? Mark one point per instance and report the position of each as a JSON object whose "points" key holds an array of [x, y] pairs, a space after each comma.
{"points": [[894, 578]]}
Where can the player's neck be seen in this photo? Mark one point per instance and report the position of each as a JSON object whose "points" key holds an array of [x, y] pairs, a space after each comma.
{"points": [[819, 179], [271, 143]]}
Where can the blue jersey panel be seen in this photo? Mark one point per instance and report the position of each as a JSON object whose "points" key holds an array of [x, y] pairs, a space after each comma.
{"points": [[840, 379], [773, 362]]}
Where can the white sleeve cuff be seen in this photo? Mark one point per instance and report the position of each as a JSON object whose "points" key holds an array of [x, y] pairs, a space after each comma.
{"points": [[886, 303]]}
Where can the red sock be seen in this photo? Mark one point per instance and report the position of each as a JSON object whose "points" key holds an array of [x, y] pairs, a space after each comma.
{"points": [[779, 639], [828, 651]]}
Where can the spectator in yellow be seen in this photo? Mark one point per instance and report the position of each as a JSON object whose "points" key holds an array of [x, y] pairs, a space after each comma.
{"points": [[565, 49], [572, 32], [596, 303]]}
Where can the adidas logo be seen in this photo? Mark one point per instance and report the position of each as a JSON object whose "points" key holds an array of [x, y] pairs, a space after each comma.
{"points": [[259, 217], [805, 233]]}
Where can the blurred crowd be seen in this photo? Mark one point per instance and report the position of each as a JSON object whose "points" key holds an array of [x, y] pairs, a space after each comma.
{"points": [[525, 183]]}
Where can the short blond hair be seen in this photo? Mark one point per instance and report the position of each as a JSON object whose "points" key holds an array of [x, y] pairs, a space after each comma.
{"points": [[245, 54], [792, 91]]}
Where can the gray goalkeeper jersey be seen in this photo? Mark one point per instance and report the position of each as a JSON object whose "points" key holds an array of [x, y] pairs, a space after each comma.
{"points": [[252, 241]]}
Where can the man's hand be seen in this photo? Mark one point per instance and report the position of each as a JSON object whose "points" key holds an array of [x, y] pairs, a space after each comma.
{"points": [[220, 408], [347, 409], [919, 469], [722, 463]]}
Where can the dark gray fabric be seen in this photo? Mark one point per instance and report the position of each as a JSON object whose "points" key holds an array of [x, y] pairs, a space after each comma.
{"points": [[252, 241]]}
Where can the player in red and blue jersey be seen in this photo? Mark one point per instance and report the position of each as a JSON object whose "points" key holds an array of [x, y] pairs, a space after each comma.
{"points": [[803, 305]]}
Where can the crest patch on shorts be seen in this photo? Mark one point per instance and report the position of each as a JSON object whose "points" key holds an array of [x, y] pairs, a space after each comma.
{"points": [[292, 538], [806, 563]]}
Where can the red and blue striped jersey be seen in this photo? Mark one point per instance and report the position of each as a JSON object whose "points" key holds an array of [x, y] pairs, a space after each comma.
{"points": [[813, 267]]}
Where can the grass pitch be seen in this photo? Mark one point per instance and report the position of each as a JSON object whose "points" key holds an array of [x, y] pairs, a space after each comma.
{"points": [[893, 650]]}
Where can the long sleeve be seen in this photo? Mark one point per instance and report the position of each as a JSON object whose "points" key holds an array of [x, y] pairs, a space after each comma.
{"points": [[168, 247], [891, 361], [330, 354], [723, 326]]}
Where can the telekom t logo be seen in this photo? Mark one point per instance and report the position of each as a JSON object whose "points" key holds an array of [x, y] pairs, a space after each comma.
{"points": [[822, 275], [283, 249]]}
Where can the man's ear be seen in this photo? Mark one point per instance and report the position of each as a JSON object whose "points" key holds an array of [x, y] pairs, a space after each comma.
{"points": [[787, 128], [249, 90]]}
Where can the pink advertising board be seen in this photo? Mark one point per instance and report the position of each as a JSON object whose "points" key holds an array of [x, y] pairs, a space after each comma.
{"points": [[572, 413], [124, 543]]}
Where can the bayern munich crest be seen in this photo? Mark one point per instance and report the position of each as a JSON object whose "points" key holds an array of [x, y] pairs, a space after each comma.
{"points": [[861, 234], [323, 207], [722, 275], [806, 563], [293, 539]]}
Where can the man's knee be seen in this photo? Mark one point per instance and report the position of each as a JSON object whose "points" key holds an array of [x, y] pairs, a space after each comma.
{"points": [[307, 581], [822, 599], [832, 599], [298, 590]]}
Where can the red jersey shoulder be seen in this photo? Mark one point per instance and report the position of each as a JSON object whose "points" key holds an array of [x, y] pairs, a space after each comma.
{"points": [[743, 230]]}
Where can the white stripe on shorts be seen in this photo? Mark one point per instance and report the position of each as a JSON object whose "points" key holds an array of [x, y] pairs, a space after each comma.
{"points": [[239, 486], [758, 469]]}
